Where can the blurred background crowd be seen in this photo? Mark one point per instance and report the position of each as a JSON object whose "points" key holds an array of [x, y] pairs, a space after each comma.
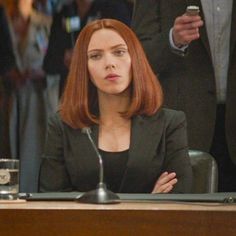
{"points": [[36, 45]]}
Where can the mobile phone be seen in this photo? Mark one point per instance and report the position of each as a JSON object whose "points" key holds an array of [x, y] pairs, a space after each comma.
{"points": [[192, 10]]}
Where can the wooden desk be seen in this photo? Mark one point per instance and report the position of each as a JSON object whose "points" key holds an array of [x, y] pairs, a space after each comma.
{"points": [[161, 218]]}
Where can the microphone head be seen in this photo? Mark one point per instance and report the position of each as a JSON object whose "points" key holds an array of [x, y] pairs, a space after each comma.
{"points": [[101, 194]]}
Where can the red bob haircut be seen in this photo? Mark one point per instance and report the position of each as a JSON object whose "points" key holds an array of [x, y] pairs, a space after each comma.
{"points": [[78, 107]]}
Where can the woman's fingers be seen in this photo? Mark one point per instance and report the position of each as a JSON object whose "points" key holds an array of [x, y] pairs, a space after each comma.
{"points": [[166, 178], [165, 183], [165, 188], [168, 189]]}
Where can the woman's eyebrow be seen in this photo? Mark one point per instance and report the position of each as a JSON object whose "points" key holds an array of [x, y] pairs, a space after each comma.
{"points": [[112, 47], [119, 45]]}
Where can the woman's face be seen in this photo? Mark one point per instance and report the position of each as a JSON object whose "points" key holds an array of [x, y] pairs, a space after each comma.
{"points": [[109, 62]]}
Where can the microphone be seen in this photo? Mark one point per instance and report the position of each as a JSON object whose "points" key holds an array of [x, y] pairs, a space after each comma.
{"points": [[101, 195], [101, 171]]}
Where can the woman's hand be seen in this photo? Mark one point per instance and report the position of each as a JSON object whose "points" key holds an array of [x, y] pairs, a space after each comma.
{"points": [[165, 183]]}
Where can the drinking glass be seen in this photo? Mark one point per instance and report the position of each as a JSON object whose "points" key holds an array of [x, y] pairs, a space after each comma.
{"points": [[9, 179]]}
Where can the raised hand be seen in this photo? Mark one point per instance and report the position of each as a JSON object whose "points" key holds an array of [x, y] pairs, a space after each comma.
{"points": [[186, 29]]}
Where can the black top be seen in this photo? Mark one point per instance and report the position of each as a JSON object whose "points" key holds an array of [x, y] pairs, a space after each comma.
{"points": [[114, 167]]}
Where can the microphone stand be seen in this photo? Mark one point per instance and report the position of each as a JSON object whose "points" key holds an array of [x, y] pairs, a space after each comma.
{"points": [[100, 195]]}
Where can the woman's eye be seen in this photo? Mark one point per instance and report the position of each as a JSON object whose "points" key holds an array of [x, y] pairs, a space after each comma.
{"points": [[119, 52], [94, 56]]}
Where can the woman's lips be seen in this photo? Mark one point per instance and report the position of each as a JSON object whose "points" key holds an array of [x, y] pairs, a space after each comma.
{"points": [[112, 77]]}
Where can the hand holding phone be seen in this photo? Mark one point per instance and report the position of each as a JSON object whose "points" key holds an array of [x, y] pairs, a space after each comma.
{"points": [[192, 10], [186, 27]]}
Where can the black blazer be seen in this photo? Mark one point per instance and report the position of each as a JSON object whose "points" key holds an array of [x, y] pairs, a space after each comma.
{"points": [[189, 81], [158, 144]]}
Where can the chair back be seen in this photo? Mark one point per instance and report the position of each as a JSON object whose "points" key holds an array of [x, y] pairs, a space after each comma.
{"points": [[205, 172]]}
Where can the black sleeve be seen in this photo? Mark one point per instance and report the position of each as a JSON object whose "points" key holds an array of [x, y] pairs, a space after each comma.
{"points": [[177, 158], [54, 176]]}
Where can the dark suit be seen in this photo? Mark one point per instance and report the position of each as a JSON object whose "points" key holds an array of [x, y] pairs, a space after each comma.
{"points": [[188, 81], [7, 62], [158, 144], [7, 59]]}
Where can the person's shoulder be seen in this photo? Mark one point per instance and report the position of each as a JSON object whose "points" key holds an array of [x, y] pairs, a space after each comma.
{"points": [[55, 118], [169, 115]]}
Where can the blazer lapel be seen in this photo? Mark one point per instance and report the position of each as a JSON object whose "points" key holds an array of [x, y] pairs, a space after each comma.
{"points": [[86, 159], [145, 137]]}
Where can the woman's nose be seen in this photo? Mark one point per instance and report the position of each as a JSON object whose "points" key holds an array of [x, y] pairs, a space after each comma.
{"points": [[110, 66], [109, 62]]}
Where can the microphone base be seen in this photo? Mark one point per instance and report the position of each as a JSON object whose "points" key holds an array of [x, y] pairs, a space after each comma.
{"points": [[100, 195]]}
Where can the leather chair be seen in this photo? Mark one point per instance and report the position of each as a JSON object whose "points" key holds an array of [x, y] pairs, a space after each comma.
{"points": [[205, 172]]}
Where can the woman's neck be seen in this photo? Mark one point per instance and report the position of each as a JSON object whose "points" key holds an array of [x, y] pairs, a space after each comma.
{"points": [[114, 129], [110, 109]]}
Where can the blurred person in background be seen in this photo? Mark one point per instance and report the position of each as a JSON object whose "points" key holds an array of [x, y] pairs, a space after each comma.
{"points": [[67, 24], [48, 7], [29, 34], [7, 68]]}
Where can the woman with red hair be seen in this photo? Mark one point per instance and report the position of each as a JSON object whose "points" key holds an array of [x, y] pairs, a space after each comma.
{"points": [[112, 89]]}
